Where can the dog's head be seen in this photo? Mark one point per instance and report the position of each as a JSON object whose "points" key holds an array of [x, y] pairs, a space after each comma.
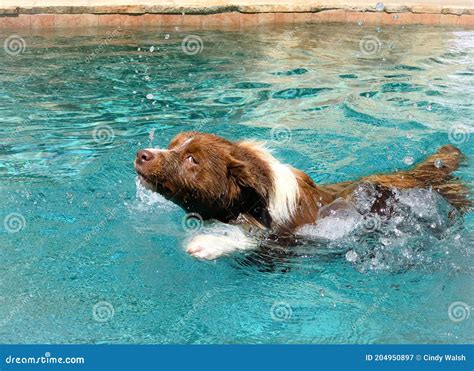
{"points": [[207, 174]]}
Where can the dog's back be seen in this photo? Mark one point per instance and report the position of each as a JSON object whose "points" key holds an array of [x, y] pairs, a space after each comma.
{"points": [[435, 173]]}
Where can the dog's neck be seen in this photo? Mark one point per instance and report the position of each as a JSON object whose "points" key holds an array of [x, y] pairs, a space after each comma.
{"points": [[292, 198]]}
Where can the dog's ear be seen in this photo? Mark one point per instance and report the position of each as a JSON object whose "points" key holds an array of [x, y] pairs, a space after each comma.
{"points": [[241, 173]]}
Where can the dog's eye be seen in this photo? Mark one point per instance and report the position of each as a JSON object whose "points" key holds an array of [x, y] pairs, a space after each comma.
{"points": [[191, 160]]}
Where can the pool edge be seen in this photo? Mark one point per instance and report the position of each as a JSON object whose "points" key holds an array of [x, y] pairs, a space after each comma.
{"points": [[230, 17]]}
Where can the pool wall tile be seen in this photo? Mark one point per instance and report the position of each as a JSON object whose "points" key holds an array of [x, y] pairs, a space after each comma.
{"points": [[372, 18], [21, 21], [172, 20], [391, 18], [286, 18], [229, 20], [466, 20], [151, 20], [430, 19], [40, 21], [409, 18], [75, 20], [88, 20], [449, 19], [302, 17], [338, 16], [133, 21], [110, 20], [266, 19], [210, 21], [248, 20], [355, 17], [194, 21]]}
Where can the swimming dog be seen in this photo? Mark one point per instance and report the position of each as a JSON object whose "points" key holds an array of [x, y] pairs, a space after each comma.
{"points": [[243, 183]]}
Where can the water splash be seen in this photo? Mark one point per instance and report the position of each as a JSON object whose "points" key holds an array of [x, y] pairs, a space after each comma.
{"points": [[404, 238]]}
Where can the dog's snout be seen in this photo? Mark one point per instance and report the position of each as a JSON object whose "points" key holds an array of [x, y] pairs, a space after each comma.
{"points": [[144, 155]]}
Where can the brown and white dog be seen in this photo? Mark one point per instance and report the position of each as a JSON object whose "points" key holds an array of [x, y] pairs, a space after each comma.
{"points": [[242, 182]]}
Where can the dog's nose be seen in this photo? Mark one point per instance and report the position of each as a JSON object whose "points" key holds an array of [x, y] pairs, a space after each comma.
{"points": [[144, 155]]}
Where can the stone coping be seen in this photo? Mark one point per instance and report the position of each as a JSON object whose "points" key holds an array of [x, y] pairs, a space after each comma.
{"points": [[15, 7]]}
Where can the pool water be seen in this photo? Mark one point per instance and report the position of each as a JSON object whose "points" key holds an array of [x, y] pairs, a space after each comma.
{"points": [[88, 256]]}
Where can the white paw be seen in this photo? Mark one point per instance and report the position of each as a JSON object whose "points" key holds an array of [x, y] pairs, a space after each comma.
{"points": [[205, 247], [210, 246]]}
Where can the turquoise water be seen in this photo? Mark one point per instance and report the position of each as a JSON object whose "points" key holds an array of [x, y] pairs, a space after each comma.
{"points": [[87, 256]]}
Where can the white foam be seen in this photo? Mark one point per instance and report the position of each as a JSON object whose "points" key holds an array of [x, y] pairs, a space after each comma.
{"points": [[334, 222], [147, 198]]}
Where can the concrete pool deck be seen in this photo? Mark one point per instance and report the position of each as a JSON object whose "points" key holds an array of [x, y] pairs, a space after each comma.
{"points": [[228, 14]]}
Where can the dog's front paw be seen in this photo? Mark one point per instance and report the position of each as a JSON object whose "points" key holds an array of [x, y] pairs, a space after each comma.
{"points": [[205, 247]]}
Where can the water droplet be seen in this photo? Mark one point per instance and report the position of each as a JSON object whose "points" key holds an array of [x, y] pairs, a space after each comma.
{"points": [[429, 107], [379, 7], [408, 160], [151, 134], [351, 256], [438, 164], [152, 49], [149, 96], [167, 36]]}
